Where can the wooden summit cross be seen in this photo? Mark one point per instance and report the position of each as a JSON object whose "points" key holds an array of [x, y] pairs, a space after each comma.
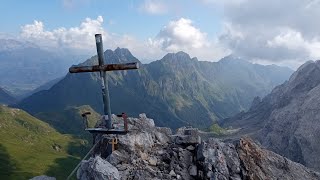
{"points": [[107, 122], [102, 68]]}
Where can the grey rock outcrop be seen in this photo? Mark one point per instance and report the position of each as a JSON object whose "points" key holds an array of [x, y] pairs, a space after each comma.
{"points": [[187, 136], [263, 164], [97, 168], [141, 154], [287, 121]]}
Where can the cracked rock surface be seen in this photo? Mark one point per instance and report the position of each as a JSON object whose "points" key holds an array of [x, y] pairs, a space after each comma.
{"points": [[150, 152]]}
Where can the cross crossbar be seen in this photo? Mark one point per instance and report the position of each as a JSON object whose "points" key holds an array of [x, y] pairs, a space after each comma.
{"points": [[107, 67], [102, 68]]}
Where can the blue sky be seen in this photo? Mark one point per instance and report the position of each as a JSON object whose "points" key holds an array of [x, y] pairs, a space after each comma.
{"points": [[122, 17], [266, 31]]}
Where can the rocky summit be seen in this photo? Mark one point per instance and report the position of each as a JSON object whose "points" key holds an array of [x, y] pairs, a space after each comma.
{"points": [[150, 152]]}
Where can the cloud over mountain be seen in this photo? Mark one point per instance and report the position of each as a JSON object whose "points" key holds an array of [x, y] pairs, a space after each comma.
{"points": [[283, 32], [183, 35], [180, 34], [177, 35], [80, 37], [272, 30]]}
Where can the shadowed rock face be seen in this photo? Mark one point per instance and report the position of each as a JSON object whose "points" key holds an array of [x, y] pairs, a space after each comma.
{"points": [[287, 121], [150, 152]]}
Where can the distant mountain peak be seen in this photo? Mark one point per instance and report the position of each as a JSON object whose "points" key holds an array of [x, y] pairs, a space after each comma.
{"points": [[121, 50], [119, 55], [306, 77], [12, 44], [232, 58], [182, 54], [6, 97], [303, 68], [178, 56]]}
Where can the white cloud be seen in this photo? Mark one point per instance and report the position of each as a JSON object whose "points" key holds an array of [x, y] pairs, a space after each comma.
{"points": [[80, 38], [182, 35], [293, 40], [271, 30], [154, 7]]}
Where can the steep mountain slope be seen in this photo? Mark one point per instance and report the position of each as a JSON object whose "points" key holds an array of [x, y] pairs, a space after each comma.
{"points": [[287, 120], [70, 121], [30, 147], [25, 66], [175, 90], [45, 86], [5, 97]]}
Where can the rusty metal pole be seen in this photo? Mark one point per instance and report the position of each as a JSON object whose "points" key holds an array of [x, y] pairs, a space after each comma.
{"points": [[125, 121], [104, 82]]}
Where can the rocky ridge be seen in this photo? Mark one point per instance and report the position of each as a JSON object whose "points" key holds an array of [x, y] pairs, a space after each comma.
{"points": [[287, 120], [150, 152]]}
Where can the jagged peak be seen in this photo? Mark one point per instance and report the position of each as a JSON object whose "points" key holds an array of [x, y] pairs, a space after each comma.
{"points": [[304, 70], [304, 65], [182, 54], [119, 55], [119, 52], [122, 51], [304, 79], [178, 56]]}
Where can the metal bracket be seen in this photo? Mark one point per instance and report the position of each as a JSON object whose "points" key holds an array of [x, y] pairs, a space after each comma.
{"points": [[85, 119]]}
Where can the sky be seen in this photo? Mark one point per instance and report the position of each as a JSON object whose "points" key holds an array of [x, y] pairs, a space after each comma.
{"points": [[283, 32]]}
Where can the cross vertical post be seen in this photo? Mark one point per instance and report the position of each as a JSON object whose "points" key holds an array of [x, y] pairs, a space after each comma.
{"points": [[104, 83], [102, 68]]}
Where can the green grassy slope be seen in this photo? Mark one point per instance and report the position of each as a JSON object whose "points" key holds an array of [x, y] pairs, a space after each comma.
{"points": [[70, 121], [30, 147]]}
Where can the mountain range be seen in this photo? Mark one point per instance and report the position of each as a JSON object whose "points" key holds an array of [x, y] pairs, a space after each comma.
{"points": [[287, 121], [27, 66], [176, 90]]}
